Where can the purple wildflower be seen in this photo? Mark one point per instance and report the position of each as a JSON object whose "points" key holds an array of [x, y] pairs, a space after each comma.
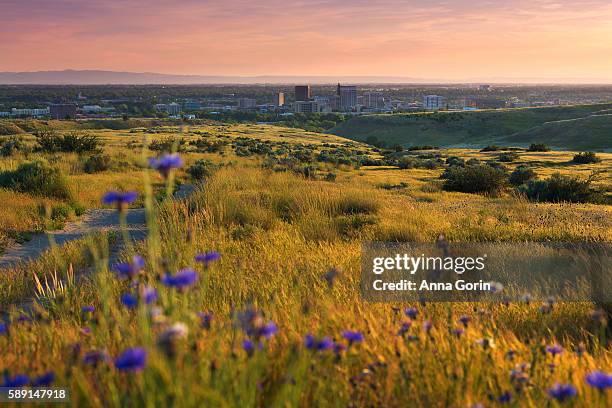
{"points": [[352, 336], [44, 380], [18, 381], [248, 346], [130, 270], [411, 312], [132, 359], [268, 330], [312, 343], [119, 199], [182, 279], [3, 328], [129, 300], [208, 257], [458, 331], [205, 319], [148, 294], [427, 326], [561, 392], [404, 329], [166, 163], [465, 320], [599, 380], [505, 397], [554, 349], [95, 357], [88, 309]]}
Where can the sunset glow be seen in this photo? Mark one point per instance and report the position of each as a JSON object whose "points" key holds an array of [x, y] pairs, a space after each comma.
{"points": [[451, 40]]}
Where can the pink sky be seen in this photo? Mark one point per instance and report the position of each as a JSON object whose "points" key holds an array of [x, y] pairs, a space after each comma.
{"points": [[452, 39]]}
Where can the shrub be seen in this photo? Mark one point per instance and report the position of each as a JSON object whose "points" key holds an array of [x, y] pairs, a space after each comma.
{"points": [[538, 147], [586, 158], [169, 144], [475, 179], [202, 169], [9, 128], [491, 148], [560, 188], [97, 163], [12, 145], [455, 161], [37, 178], [51, 142], [507, 157], [521, 175]]}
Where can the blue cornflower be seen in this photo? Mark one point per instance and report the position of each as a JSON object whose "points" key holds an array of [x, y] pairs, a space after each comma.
{"points": [[353, 336], [129, 300], [248, 346], [411, 312], [554, 349], [18, 381], [88, 309], [208, 257], [132, 359], [465, 320], [95, 357], [268, 330], [599, 380], [166, 163], [404, 329], [458, 331], [182, 279], [130, 269], [3, 328], [119, 199], [205, 319], [148, 294], [312, 343], [44, 380], [561, 392], [505, 397]]}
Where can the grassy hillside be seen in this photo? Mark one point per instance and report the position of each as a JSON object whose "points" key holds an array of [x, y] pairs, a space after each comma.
{"points": [[517, 126]]}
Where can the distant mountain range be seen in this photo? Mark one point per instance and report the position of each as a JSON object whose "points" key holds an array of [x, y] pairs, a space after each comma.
{"points": [[99, 77]]}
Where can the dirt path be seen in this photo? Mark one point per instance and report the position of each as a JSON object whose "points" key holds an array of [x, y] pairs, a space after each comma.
{"points": [[92, 221]]}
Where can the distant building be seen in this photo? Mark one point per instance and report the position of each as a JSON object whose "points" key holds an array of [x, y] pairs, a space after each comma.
{"points": [[484, 103], [303, 93], [63, 111], [374, 100], [279, 99], [306, 107], [173, 108], [433, 102], [29, 112], [5, 114], [91, 108], [246, 103], [347, 95], [484, 87], [192, 106], [326, 103]]}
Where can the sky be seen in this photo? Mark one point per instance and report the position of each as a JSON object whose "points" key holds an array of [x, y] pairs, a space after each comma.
{"points": [[445, 39]]}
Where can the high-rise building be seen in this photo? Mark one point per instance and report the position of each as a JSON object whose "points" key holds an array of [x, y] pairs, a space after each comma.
{"points": [[63, 111], [173, 108], [303, 93], [348, 97], [374, 100], [279, 99], [306, 107], [433, 102], [246, 103]]}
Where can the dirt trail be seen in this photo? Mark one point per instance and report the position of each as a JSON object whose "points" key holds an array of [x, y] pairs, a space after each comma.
{"points": [[92, 221]]}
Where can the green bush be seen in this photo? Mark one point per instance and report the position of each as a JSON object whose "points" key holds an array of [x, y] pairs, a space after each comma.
{"points": [[475, 179], [521, 175], [538, 147], [13, 145], [50, 141], [586, 158], [507, 157], [97, 163], [37, 178], [202, 169], [560, 188]]}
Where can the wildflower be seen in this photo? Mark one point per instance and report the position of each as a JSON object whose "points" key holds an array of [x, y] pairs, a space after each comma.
{"points": [[554, 349], [313, 343], [3, 328], [88, 309], [496, 287], [248, 346], [182, 279], [427, 326], [18, 381], [411, 312], [119, 199], [404, 329], [95, 357], [505, 397], [130, 270], [148, 294], [208, 257], [338, 348], [510, 354], [166, 163], [132, 359], [86, 331], [599, 380], [44, 380], [253, 324], [168, 340], [561, 392], [330, 276], [527, 298], [353, 336], [465, 320], [205, 319], [458, 331], [129, 300], [486, 343]]}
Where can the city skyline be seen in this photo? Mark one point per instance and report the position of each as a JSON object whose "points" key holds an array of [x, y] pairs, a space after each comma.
{"points": [[456, 40]]}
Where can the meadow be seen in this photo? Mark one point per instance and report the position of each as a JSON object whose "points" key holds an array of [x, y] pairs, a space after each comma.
{"points": [[248, 290]]}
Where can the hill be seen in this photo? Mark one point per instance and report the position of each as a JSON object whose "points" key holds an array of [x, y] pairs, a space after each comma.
{"points": [[565, 127]]}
